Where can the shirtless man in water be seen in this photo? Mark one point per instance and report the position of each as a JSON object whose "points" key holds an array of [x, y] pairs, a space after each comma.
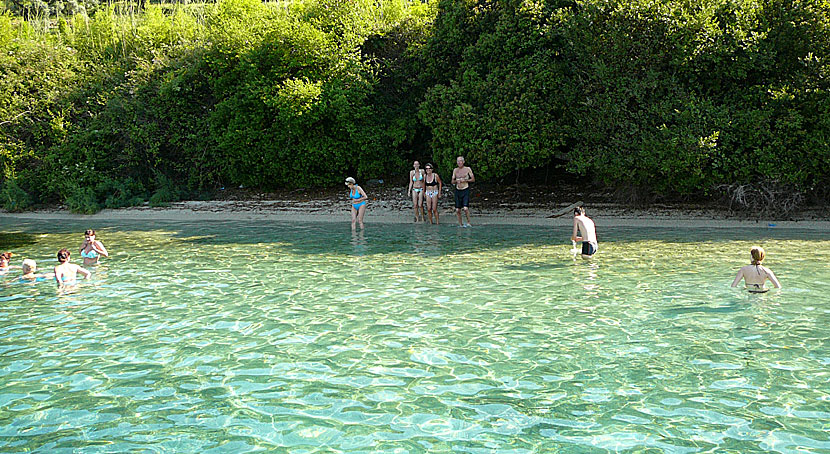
{"points": [[583, 224], [462, 176]]}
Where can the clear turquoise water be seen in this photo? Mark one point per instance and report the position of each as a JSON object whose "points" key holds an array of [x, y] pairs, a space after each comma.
{"points": [[234, 337]]}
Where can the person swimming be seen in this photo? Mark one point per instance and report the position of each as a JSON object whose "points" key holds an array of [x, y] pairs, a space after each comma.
{"points": [[5, 260], [29, 275], [65, 272], [755, 275], [91, 250]]}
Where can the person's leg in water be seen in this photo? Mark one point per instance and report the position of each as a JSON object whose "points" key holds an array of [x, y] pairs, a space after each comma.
{"points": [[360, 214], [467, 212], [354, 217]]}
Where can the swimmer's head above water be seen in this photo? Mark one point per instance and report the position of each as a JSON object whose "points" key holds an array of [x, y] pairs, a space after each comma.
{"points": [[63, 255], [579, 211], [5, 258], [757, 253], [29, 266]]}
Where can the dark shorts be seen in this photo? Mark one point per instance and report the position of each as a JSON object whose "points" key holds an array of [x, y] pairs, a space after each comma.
{"points": [[462, 198], [589, 248]]}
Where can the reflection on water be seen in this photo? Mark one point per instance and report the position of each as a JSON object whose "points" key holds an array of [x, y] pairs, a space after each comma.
{"points": [[302, 338]]}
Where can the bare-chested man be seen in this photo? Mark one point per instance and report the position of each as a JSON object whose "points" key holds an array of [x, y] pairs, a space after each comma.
{"points": [[462, 176], [584, 225]]}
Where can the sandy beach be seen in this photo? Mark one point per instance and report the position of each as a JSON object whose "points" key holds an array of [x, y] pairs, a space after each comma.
{"points": [[525, 206]]}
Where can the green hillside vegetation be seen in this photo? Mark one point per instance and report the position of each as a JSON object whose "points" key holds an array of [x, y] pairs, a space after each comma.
{"points": [[673, 98]]}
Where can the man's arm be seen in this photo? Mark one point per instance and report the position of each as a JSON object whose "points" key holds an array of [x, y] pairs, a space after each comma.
{"points": [[472, 178], [576, 229]]}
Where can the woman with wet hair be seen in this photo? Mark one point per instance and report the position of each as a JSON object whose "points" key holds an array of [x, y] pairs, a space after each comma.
{"points": [[66, 272], [755, 275]]}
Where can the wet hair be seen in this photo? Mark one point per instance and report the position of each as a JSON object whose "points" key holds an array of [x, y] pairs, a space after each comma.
{"points": [[28, 266], [428, 165], [757, 253], [7, 256], [89, 232], [63, 255], [579, 211]]}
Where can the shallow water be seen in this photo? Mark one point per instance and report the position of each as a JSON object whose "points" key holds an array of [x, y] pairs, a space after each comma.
{"points": [[236, 337]]}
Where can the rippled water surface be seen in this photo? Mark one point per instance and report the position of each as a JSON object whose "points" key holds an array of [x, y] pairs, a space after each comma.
{"points": [[235, 337]]}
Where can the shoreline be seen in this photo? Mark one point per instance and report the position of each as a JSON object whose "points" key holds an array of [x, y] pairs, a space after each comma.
{"points": [[397, 212]]}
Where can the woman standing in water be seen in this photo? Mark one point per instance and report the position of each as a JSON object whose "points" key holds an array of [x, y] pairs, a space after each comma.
{"points": [[358, 200], [416, 189], [66, 273], [755, 275], [91, 249], [433, 192]]}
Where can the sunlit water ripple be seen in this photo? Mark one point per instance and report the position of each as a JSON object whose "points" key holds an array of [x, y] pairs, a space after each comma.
{"points": [[236, 337]]}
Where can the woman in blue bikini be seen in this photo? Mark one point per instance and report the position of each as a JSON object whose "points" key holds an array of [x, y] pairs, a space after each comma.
{"points": [[416, 190], [91, 249], [66, 273], [358, 200]]}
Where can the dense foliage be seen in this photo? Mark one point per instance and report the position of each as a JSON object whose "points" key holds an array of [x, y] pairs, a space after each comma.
{"points": [[672, 97]]}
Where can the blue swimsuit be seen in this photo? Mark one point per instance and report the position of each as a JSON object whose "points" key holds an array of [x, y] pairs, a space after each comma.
{"points": [[356, 195]]}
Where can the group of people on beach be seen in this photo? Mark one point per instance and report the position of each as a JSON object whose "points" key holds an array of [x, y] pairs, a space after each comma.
{"points": [[66, 272], [426, 187]]}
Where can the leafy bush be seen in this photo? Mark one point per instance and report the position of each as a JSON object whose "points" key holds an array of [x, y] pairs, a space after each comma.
{"points": [[82, 200], [13, 197], [165, 193]]}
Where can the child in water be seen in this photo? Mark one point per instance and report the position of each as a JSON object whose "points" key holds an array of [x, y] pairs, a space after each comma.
{"points": [[29, 268]]}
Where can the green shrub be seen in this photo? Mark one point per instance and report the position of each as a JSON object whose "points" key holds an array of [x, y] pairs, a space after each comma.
{"points": [[165, 193], [13, 197], [82, 200], [120, 193]]}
